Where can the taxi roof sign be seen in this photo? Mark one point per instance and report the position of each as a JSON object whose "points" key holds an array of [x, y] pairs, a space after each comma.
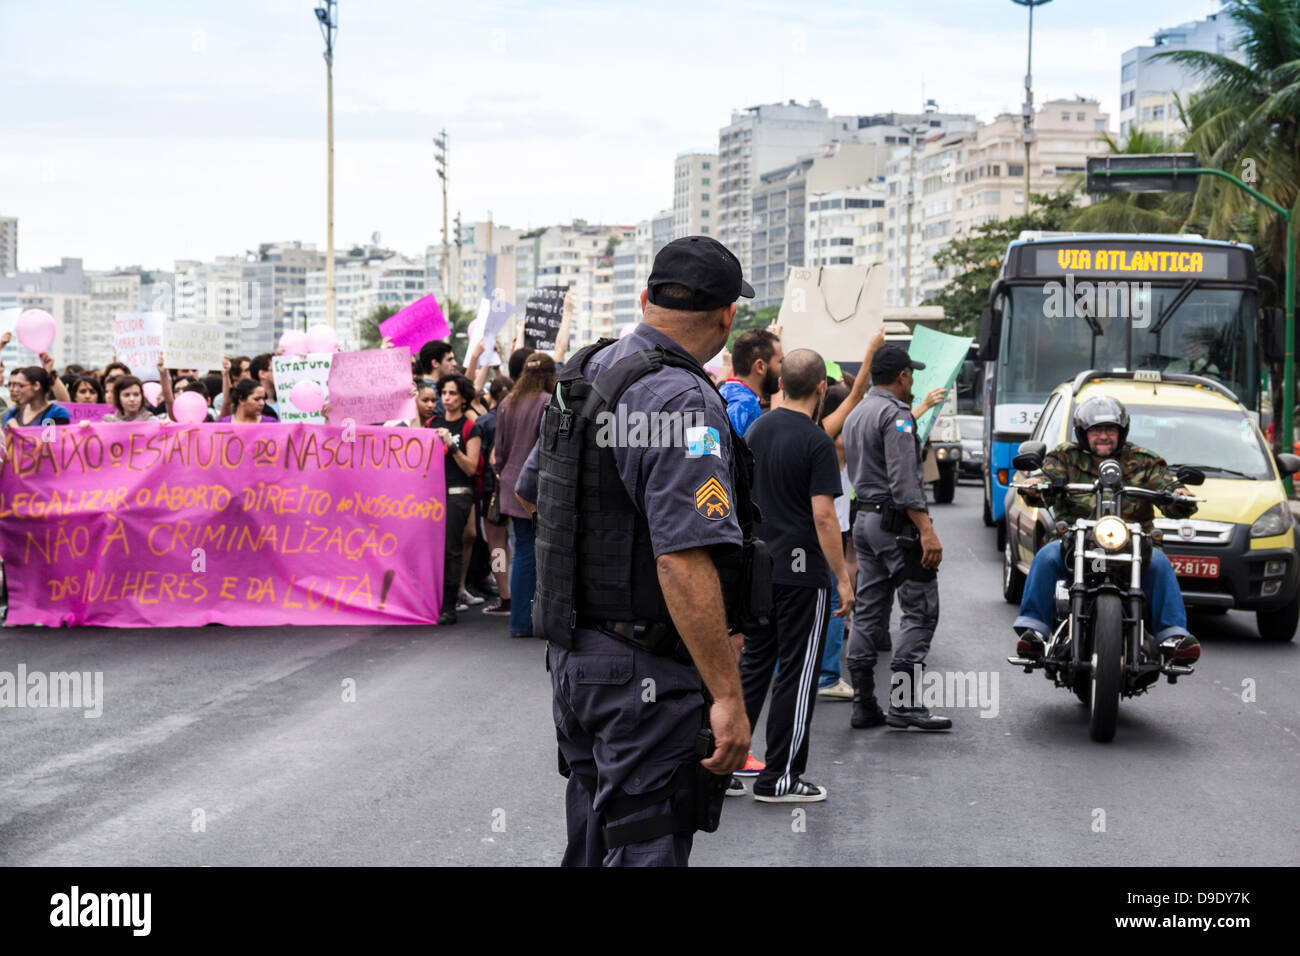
{"points": [[1114, 173]]}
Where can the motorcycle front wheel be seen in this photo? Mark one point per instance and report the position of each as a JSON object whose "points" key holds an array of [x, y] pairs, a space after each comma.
{"points": [[1107, 666]]}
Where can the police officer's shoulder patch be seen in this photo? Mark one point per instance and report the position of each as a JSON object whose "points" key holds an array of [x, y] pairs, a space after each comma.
{"points": [[711, 500]]}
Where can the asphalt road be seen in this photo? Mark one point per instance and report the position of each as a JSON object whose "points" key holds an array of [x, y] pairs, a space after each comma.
{"points": [[226, 746]]}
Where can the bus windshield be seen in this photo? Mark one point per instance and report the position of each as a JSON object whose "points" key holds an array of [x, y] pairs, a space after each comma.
{"points": [[1212, 333]]}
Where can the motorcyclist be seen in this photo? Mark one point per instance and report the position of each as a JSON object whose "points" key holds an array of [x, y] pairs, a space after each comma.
{"points": [[1101, 426]]}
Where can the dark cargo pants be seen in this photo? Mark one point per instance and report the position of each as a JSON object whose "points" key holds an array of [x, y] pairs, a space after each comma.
{"points": [[626, 719], [883, 571]]}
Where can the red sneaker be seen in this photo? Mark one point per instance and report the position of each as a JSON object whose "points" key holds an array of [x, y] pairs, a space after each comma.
{"points": [[753, 766]]}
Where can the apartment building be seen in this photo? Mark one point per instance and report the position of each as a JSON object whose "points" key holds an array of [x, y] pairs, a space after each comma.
{"points": [[694, 192], [277, 280], [1150, 88], [956, 181]]}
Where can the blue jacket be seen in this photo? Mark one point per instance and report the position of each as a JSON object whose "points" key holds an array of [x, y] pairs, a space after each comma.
{"points": [[742, 405]]}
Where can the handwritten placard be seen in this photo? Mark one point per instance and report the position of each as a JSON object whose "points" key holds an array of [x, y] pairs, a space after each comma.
{"points": [[288, 371], [421, 321], [370, 387], [151, 524], [542, 316], [193, 345], [138, 342]]}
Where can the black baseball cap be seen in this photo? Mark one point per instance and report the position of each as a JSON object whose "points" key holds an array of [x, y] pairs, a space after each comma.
{"points": [[703, 265], [892, 359]]}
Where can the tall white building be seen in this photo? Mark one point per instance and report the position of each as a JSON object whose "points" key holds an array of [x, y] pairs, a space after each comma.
{"points": [[215, 293], [780, 205], [956, 181], [694, 193], [64, 292], [277, 280], [8, 245], [1148, 86], [632, 260], [759, 139]]}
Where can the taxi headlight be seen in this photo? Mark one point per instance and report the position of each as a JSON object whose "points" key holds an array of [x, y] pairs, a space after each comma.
{"points": [[1111, 533], [1276, 520]]}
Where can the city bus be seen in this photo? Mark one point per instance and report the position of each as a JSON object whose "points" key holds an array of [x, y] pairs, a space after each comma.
{"points": [[1067, 302]]}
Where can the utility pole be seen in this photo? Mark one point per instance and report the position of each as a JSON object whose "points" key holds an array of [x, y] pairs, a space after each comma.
{"points": [[1027, 111], [458, 263], [440, 158], [912, 133], [328, 16]]}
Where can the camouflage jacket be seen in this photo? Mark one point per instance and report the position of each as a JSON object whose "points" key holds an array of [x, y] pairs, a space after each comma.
{"points": [[1142, 468]]}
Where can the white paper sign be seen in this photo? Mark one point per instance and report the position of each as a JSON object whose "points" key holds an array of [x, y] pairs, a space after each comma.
{"points": [[193, 345], [288, 371], [9, 320], [138, 342]]}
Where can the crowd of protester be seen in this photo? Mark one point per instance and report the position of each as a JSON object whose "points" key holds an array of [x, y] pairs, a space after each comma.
{"points": [[488, 419]]}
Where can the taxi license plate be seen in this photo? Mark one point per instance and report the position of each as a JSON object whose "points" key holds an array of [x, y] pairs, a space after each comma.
{"points": [[1187, 566]]}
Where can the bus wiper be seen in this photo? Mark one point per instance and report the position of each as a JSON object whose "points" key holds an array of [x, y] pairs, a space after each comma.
{"points": [[1168, 312], [1217, 468]]}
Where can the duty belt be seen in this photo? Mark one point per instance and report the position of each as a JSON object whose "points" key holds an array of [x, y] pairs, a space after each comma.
{"points": [[646, 635]]}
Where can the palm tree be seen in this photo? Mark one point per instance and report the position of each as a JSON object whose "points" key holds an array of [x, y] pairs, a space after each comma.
{"points": [[1246, 122]]}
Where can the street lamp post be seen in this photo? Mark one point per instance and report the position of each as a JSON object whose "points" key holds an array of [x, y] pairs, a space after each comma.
{"points": [[327, 15], [1027, 111], [440, 157]]}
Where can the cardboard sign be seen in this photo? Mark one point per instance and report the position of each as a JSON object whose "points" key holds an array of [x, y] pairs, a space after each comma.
{"points": [[138, 342], [288, 371], [493, 314], [185, 525], [542, 317], [371, 387], [421, 321], [193, 345]]}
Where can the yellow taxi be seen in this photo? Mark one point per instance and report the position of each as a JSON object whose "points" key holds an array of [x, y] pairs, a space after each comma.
{"points": [[1239, 549]]}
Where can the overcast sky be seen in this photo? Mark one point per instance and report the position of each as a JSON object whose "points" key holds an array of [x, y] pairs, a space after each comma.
{"points": [[143, 132]]}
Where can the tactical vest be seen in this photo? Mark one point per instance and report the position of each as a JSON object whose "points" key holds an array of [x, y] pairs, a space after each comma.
{"points": [[595, 563]]}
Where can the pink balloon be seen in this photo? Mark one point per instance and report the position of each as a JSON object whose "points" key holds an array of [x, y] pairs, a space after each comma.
{"points": [[36, 330], [307, 397], [189, 408], [294, 342], [321, 338]]}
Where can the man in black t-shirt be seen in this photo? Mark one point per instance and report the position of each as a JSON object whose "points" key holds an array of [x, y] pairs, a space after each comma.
{"points": [[796, 480]]}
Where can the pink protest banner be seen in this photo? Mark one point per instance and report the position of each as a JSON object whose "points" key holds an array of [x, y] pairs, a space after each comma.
{"points": [[421, 321], [371, 386], [87, 411], [161, 524]]}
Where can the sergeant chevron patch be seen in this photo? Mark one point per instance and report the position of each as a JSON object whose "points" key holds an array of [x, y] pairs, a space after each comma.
{"points": [[711, 500]]}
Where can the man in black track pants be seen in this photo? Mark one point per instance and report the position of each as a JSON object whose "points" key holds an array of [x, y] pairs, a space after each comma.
{"points": [[796, 480]]}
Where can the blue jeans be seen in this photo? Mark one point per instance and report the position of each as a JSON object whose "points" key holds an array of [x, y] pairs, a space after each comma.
{"points": [[523, 577], [1159, 584], [830, 672]]}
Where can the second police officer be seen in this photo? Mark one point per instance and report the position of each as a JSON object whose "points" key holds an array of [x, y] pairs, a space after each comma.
{"points": [[644, 567], [898, 550]]}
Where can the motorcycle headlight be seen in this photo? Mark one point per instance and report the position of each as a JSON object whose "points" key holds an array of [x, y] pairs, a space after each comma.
{"points": [[1111, 532], [1276, 520]]}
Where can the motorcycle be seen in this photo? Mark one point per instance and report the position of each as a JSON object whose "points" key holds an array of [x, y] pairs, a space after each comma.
{"points": [[1099, 646]]}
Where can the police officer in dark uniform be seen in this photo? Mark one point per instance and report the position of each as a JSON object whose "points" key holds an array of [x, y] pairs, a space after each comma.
{"points": [[898, 551], [640, 568]]}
